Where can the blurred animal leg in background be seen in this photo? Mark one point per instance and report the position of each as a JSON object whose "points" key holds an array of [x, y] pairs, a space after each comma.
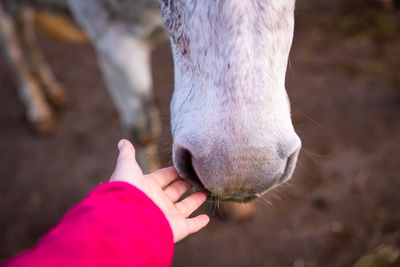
{"points": [[237, 211], [124, 60], [126, 68], [60, 27], [53, 89], [38, 111]]}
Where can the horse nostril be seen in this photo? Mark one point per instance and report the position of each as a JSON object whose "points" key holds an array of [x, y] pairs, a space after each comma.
{"points": [[289, 168], [184, 166]]}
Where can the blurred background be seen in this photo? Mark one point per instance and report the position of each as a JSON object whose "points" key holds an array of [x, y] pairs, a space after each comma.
{"points": [[341, 208]]}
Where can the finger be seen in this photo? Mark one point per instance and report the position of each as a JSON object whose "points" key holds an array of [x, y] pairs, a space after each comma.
{"points": [[165, 176], [126, 162], [177, 189], [188, 205], [197, 223]]}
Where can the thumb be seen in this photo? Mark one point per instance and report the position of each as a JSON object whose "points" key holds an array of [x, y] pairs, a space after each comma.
{"points": [[127, 165], [126, 151]]}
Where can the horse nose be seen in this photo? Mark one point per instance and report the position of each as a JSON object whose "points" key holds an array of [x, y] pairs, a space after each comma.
{"points": [[236, 174]]}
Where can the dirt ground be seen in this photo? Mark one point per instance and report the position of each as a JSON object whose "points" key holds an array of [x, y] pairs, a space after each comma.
{"points": [[343, 202]]}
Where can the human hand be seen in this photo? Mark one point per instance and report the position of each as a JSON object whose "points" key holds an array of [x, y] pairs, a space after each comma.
{"points": [[165, 188]]}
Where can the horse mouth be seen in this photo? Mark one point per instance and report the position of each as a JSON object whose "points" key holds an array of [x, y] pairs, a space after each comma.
{"points": [[186, 170], [236, 199]]}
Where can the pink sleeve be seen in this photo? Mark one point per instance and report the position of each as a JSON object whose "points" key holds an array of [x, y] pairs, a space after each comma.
{"points": [[116, 225]]}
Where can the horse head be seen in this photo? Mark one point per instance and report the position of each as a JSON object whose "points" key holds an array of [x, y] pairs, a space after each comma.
{"points": [[230, 114]]}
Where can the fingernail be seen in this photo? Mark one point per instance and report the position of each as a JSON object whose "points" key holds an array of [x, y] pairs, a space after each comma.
{"points": [[121, 144]]}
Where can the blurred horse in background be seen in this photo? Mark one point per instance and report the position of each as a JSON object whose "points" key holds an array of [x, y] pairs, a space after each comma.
{"points": [[124, 60]]}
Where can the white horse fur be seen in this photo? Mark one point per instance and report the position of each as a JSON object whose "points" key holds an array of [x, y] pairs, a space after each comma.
{"points": [[230, 114]]}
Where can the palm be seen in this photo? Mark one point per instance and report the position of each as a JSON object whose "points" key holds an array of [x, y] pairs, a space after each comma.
{"points": [[165, 188]]}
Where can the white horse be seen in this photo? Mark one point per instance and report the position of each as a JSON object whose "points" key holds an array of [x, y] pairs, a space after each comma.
{"points": [[230, 114]]}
